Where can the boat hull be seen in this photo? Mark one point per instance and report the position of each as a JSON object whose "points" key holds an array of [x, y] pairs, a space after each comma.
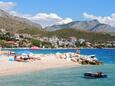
{"points": [[94, 75]]}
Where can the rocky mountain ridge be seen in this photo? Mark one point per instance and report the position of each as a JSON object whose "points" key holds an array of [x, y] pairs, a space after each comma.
{"points": [[93, 25]]}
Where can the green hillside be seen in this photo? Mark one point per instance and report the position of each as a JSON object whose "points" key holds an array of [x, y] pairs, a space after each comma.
{"points": [[32, 31], [90, 36]]}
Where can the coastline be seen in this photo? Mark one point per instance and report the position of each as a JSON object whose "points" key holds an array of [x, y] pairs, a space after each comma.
{"points": [[54, 48], [13, 68], [47, 61]]}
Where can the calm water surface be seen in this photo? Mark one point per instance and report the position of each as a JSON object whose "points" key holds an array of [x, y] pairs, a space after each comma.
{"points": [[67, 76]]}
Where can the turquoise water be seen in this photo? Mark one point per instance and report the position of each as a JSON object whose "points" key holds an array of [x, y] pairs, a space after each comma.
{"points": [[62, 77], [68, 76]]}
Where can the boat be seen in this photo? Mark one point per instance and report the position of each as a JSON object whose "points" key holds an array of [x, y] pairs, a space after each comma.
{"points": [[95, 75]]}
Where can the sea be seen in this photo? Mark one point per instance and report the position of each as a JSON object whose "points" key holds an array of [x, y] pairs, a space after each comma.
{"points": [[72, 76]]}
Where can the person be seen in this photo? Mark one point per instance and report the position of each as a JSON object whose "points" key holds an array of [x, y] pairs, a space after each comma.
{"points": [[78, 51], [98, 73], [19, 58], [33, 57], [15, 57]]}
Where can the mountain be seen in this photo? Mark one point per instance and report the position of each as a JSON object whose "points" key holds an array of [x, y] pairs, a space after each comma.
{"points": [[93, 25], [16, 24]]}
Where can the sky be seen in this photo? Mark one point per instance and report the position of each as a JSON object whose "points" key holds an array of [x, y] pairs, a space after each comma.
{"points": [[49, 12]]}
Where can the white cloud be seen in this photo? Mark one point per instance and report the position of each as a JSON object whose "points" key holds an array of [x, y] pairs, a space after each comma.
{"points": [[44, 19], [7, 5], [48, 19], [102, 19], [65, 21]]}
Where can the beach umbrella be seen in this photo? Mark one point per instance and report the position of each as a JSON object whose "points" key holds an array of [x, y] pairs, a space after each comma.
{"points": [[24, 52]]}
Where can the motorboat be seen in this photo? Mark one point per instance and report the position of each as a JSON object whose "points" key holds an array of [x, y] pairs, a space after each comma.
{"points": [[95, 75]]}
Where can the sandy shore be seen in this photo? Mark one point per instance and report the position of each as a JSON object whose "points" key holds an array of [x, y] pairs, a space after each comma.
{"points": [[12, 67]]}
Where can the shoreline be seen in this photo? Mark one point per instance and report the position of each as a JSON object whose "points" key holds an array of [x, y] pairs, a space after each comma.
{"points": [[55, 48], [8, 68]]}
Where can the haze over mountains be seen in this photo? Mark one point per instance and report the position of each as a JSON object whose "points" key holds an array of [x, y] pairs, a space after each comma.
{"points": [[18, 24]]}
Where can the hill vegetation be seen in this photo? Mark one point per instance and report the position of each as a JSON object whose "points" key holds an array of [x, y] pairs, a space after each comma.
{"points": [[88, 35]]}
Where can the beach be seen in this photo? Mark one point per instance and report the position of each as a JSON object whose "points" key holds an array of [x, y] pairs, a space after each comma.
{"points": [[13, 67], [54, 71]]}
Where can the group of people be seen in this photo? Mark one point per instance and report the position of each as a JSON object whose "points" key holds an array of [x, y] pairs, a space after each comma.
{"points": [[74, 57], [26, 58]]}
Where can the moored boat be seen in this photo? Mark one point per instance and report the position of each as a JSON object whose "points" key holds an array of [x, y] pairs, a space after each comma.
{"points": [[95, 75]]}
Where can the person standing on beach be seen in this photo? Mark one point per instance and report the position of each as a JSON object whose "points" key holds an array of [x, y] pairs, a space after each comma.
{"points": [[78, 51], [15, 57]]}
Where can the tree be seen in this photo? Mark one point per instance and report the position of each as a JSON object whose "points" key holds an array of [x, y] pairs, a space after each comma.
{"points": [[36, 42]]}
